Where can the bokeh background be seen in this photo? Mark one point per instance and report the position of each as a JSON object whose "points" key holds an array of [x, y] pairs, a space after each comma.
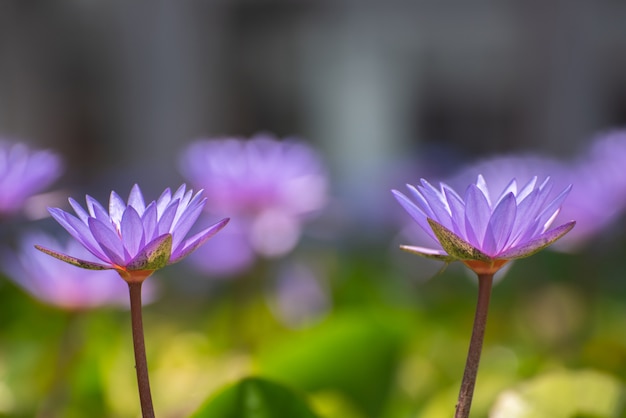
{"points": [[387, 92]]}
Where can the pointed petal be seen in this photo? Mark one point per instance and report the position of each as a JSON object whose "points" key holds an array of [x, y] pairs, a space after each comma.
{"points": [[500, 224], [197, 240], [73, 260], [437, 203], [428, 253], [79, 231], [149, 221], [135, 199], [153, 256], [454, 245], [82, 214], [166, 220], [185, 223], [116, 208], [481, 184], [457, 210], [538, 243], [132, 231], [416, 213], [477, 214], [108, 241]]}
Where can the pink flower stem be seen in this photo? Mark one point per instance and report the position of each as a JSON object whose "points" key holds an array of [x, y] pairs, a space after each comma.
{"points": [[141, 364], [476, 344]]}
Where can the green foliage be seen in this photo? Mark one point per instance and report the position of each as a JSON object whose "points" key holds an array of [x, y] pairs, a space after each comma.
{"points": [[255, 397]]}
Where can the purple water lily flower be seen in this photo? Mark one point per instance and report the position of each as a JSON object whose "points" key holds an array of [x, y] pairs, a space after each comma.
{"points": [[133, 238], [60, 284], [23, 173], [267, 186], [482, 229]]}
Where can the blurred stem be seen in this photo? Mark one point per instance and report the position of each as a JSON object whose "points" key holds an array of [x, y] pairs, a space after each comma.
{"points": [[476, 345], [141, 364]]}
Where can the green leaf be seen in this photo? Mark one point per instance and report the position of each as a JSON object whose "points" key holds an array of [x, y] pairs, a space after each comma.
{"points": [[354, 353], [563, 394], [254, 397], [456, 246]]}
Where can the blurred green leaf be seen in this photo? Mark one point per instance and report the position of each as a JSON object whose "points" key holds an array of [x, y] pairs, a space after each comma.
{"points": [[356, 353], [563, 394], [254, 397]]}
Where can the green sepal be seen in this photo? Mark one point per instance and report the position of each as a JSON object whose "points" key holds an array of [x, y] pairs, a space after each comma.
{"points": [[455, 246], [90, 265], [154, 256]]}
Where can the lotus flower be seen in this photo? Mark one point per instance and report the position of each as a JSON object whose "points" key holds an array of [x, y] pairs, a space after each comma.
{"points": [[133, 238], [268, 187], [484, 229], [23, 173], [61, 284]]}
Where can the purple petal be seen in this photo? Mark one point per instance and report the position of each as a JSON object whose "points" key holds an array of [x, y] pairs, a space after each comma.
{"points": [[73, 260], [500, 224], [549, 213], [108, 241], [437, 203], [97, 210], [116, 208], [422, 204], [149, 221], [536, 244], [415, 212], [132, 231], [135, 199], [197, 240], [153, 256], [82, 214], [457, 210], [79, 231], [166, 220], [163, 201], [477, 214], [185, 223]]}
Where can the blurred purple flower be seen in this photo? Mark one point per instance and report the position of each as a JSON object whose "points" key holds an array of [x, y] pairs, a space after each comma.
{"points": [[132, 238], [268, 187], [482, 229], [60, 284], [23, 173], [598, 197]]}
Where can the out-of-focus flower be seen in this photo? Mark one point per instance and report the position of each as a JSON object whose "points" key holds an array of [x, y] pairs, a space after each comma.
{"points": [[598, 197], [60, 284], [132, 238], [23, 173], [268, 187], [482, 229]]}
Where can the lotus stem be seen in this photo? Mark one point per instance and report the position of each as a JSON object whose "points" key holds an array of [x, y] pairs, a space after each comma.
{"points": [[141, 364], [466, 393]]}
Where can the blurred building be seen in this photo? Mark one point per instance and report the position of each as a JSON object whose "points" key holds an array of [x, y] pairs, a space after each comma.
{"points": [[123, 85]]}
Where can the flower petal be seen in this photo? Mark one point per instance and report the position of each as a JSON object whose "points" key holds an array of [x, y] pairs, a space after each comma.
{"points": [[116, 208], [135, 199], [500, 225], [477, 214], [197, 240], [73, 260], [132, 231], [534, 245], [108, 241], [416, 213]]}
